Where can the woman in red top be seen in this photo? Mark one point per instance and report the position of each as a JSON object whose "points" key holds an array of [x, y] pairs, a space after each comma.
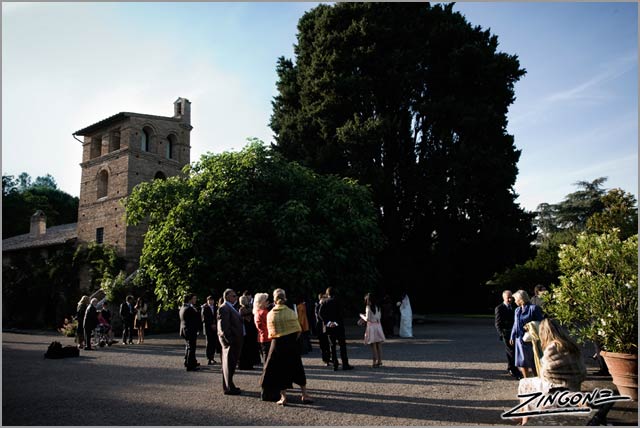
{"points": [[260, 312]]}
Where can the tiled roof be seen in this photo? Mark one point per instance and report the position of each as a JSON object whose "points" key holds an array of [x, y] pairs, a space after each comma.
{"points": [[55, 235]]}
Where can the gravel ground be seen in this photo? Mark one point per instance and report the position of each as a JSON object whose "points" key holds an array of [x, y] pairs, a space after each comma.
{"points": [[451, 373]]}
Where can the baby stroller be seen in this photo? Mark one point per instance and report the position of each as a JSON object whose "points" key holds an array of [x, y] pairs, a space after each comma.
{"points": [[100, 336]]}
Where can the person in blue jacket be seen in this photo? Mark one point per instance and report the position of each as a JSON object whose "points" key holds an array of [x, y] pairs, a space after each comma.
{"points": [[525, 313]]}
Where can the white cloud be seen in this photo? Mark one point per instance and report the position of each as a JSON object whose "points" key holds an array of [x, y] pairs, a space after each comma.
{"points": [[537, 109], [591, 89]]}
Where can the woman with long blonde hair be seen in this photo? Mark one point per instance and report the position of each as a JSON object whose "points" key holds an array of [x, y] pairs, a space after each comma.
{"points": [[561, 366]]}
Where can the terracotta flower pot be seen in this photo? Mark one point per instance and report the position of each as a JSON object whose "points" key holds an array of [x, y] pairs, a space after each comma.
{"points": [[624, 370]]}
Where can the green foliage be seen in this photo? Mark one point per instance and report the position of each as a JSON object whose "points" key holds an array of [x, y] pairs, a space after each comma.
{"points": [[598, 293], [251, 220], [592, 209], [47, 181], [101, 259], [49, 282], [619, 211], [21, 198], [411, 100], [542, 269], [114, 287], [574, 210], [39, 291]]}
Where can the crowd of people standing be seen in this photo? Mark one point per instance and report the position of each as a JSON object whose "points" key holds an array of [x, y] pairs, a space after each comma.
{"points": [[92, 313], [248, 330]]}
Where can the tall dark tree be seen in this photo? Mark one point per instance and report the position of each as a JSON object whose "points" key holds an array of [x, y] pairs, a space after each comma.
{"points": [[577, 207], [411, 100]]}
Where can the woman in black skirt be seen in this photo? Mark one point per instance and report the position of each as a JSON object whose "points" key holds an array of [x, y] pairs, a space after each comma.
{"points": [[250, 354], [284, 364]]}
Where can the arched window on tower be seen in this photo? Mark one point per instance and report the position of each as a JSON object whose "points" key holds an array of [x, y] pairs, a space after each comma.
{"points": [[159, 176], [171, 146], [145, 139], [103, 184]]}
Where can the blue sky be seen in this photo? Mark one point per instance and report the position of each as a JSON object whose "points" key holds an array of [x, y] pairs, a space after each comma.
{"points": [[68, 65]]}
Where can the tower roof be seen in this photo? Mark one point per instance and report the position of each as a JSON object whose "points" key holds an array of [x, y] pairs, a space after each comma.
{"points": [[118, 118]]}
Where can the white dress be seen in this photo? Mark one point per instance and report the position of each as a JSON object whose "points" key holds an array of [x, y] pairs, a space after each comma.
{"points": [[406, 318], [373, 333]]}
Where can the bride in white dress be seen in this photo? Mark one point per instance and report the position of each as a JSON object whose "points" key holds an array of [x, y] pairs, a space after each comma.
{"points": [[406, 317]]}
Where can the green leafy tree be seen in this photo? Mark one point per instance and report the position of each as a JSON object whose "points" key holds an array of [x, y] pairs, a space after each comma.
{"points": [[252, 220], [24, 181], [21, 198], [619, 210], [411, 100], [575, 209], [9, 185], [591, 208], [47, 181]]}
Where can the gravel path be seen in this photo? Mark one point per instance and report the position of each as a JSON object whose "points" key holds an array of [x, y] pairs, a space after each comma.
{"points": [[451, 373]]}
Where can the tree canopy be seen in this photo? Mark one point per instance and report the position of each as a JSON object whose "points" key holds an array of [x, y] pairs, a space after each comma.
{"points": [[411, 100], [591, 209], [22, 197], [252, 220]]}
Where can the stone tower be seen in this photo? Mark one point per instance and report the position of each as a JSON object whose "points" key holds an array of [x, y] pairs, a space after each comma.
{"points": [[118, 153]]}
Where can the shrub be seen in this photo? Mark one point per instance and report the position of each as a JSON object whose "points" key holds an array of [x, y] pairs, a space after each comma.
{"points": [[598, 293]]}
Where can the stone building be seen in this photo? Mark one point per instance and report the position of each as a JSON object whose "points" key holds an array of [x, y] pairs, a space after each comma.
{"points": [[118, 153], [45, 241], [30, 295]]}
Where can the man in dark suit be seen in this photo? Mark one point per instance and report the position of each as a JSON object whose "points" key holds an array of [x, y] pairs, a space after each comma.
{"points": [[331, 315], [504, 322], [321, 332], [231, 335], [209, 328], [127, 314], [90, 322], [189, 326]]}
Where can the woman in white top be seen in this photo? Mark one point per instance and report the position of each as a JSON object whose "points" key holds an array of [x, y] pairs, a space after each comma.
{"points": [[373, 335], [406, 317]]}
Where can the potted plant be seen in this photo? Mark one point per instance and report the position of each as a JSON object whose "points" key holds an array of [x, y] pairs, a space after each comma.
{"points": [[597, 299]]}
